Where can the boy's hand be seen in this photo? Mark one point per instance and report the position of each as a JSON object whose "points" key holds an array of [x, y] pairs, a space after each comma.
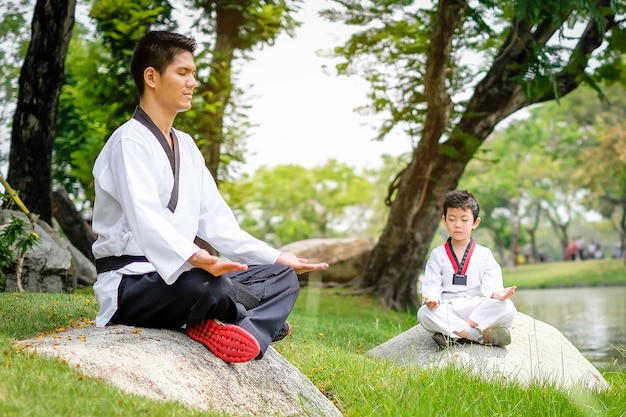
{"points": [[504, 294], [431, 303]]}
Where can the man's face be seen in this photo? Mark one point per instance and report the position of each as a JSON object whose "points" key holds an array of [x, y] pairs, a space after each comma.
{"points": [[174, 87]]}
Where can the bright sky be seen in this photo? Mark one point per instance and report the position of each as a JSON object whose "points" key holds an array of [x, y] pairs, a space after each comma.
{"points": [[305, 113]]}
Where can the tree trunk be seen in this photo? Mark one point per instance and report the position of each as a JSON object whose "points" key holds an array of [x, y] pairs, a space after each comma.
{"points": [[40, 84], [515, 230], [219, 84], [72, 223], [532, 232], [398, 257], [622, 229]]}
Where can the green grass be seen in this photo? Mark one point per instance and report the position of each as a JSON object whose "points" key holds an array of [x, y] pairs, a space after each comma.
{"points": [[332, 332], [568, 274]]}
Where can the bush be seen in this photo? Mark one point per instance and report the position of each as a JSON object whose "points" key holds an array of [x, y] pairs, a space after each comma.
{"points": [[14, 238]]}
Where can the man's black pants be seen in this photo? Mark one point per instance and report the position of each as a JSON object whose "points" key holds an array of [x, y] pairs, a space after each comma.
{"points": [[196, 296]]}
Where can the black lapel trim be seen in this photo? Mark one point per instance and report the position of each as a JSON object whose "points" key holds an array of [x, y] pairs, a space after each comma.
{"points": [[173, 156]]}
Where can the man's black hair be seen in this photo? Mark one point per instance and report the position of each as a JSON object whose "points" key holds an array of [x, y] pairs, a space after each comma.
{"points": [[157, 49]]}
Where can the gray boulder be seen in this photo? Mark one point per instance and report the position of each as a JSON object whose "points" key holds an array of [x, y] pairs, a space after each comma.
{"points": [[347, 257], [52, 265], [538, 353], [169, 366]]}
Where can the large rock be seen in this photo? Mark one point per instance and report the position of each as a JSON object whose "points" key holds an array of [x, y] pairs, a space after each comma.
{"points": [[52, 264], [538, 353], [169, 366], [347, 257]]}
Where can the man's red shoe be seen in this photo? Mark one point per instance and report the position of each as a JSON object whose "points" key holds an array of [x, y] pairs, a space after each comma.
{"points": [[228, 342]]}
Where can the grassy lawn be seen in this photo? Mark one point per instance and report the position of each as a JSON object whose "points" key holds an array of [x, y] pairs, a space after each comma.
{"points": [[332, 331], [568, 274]]}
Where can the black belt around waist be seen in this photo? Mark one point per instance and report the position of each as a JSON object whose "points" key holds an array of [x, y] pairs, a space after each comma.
{"points": [[111, 263]]}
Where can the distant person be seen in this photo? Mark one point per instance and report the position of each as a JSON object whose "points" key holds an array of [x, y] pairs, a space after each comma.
{"points": [[154, 196], [528, 254], [580, 244], [463, 295], [617, 252], [597, 252], [571, 252]]}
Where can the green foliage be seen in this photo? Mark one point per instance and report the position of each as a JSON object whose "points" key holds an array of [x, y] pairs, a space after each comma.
{"points": [[605, 181], [14, 38], [391, 48], [6, 259], [288, 203], [15, 237], [510, 176], [122, 23], [547, 167], [218, 121], [258, 22], [99, 93], [398, 42]]}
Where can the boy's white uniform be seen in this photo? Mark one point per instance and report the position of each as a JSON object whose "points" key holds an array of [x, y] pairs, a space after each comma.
{"points": [[460, 302]]}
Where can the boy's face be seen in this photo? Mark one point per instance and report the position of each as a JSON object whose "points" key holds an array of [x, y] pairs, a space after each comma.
{"points": [[174, 87], [460, 223]]}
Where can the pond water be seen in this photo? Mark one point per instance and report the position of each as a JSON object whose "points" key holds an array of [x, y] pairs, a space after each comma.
{"points": [[593, 319]]}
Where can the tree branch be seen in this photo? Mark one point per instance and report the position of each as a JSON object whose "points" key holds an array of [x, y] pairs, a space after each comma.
{"points": [[591, 39], [449, 15]]}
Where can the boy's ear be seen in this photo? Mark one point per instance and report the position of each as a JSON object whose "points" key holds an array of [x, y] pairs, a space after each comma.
{"points": [[476, 223]]}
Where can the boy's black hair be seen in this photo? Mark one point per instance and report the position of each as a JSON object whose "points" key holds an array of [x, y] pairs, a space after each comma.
{"points": [[461, 199], [157, 49]]}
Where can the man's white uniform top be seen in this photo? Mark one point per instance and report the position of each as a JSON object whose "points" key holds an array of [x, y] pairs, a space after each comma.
{"points": [[133, 184]]}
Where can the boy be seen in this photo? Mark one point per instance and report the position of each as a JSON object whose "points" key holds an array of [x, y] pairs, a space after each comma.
{"points": [[463, 295], [154, 195]]}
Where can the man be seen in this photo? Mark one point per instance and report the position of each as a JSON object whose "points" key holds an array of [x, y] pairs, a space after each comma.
{"points": [[154, 195]]}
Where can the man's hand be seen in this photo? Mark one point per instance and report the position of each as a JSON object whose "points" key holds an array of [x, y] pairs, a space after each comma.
{"points": [[431, 303], [504, 294], [204, 260], [300, 265]]}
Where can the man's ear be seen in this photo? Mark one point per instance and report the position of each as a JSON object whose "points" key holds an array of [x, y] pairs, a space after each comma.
{"points": [[150, 76], [476, 223]]}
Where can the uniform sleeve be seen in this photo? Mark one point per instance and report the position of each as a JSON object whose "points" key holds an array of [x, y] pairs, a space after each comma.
{"points": [[492, 275], [219, 226], [433, 278]]}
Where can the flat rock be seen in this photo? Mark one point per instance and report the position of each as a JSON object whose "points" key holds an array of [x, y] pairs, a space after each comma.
{"points": [[538, 353], [169, 366]]}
